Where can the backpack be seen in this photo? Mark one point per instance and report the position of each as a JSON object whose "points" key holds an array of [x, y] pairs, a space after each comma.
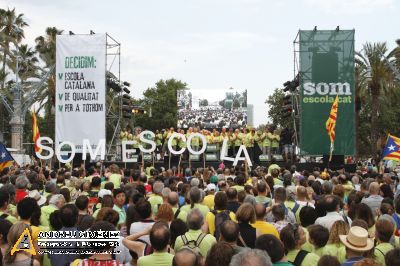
{"points": [[295, 208], [300, 258], [148, 249], [178, 211], [193, 245], [220, 218]]}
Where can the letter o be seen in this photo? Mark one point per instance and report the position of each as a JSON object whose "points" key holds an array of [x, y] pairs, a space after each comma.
{"points": [[189, 143], [175, 134], [322, 88], [58, 151]]}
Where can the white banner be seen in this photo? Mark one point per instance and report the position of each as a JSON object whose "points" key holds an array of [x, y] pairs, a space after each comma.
{"points": [[80, 89]]}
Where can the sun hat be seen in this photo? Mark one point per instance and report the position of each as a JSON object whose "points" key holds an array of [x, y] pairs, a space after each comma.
{"points": [[36, 195], [104, 192], [357, 239]]}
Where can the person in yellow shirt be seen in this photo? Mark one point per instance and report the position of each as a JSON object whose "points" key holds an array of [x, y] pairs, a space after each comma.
{"points": [[4, 205], [258, 140], [266, 142], [249, 142], [236, 141], [182, 144], [167, 135], [293, 237], [261, 225], [220, 214], [275, 141], [319, 236], [158, 140], [195, 140], [124, 133], [135, 137], [334, 246], [383, 235], [209, 199]]}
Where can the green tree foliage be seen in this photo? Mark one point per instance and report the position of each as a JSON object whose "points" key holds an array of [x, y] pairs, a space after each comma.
{"points": [[275, 103], [46, 47], [162, 100], [376, 85]]}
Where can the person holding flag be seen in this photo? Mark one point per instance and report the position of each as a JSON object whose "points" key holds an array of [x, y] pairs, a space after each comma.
{"points": [[331, 124], [6, 160]]}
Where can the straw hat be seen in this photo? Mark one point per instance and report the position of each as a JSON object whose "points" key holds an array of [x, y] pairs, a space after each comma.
{"points": [[357, 239]]}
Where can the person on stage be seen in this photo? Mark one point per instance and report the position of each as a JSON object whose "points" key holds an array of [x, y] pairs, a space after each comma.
{"points": [[275, 141], [195, 141], [158, 140], [266, 144], [182, 145], [237, 141]]}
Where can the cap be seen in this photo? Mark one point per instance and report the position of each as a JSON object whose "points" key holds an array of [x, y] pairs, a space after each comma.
{"points": [[211, 187], [104, 192], [214, 179]]}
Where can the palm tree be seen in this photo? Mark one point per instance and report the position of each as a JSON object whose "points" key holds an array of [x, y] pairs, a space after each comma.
{"points": [[376, 79], [46, 47], [11, 31], [28, 62]]}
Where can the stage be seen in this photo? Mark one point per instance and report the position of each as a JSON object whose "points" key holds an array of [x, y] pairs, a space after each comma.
{"points": [[350, 168]]}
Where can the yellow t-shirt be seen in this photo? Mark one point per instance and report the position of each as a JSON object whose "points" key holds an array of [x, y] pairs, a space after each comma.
{"points": [[210, 218], [209, 201], [266, 228], [310, 260], [116, 180]]}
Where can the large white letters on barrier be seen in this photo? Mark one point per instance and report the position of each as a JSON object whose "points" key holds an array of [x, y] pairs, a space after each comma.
{"points": [[101, 148]]}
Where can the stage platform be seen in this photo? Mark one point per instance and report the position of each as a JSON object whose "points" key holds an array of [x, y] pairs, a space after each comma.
{"points": [[351, 168]]}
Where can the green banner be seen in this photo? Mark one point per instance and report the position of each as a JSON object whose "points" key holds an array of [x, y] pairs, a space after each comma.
{"points": [[326, 70]]}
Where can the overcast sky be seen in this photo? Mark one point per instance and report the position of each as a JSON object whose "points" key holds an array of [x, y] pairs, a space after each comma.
{"points": [[211, 44]]}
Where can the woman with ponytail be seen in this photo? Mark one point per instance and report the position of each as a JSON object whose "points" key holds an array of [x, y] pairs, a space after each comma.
{"points": [[20, 257]]}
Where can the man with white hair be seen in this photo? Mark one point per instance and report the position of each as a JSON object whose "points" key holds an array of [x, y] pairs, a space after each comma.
{"points": [[55, 203], [21, 185], [165, 192], [249, 257], [156, 198], [374, 200]]}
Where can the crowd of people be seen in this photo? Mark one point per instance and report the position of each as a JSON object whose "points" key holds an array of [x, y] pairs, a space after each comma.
{"points": [[228, 216], [212, 118]]}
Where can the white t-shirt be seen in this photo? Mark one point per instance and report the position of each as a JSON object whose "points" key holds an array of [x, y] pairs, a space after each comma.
{"points": [[305, 203], [123, 256], [140, 227]]}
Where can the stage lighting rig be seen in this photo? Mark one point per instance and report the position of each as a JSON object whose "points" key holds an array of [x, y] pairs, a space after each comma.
{"points": [[127, 106], [138, 110], [291, 85], [287, 107]]}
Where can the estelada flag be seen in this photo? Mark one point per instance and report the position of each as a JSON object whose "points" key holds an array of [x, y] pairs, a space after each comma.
{"points": [[392, 149], [331, 122], [36, 134], [6, 160]]}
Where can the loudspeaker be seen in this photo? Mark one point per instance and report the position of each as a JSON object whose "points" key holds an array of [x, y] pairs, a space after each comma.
{"points": [[211, 157]]}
